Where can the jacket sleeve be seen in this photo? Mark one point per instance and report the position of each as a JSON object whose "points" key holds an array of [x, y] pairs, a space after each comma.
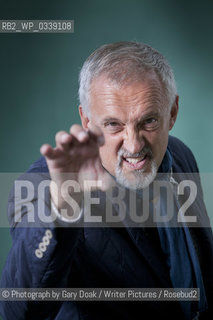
{"points": [[42, 248]]}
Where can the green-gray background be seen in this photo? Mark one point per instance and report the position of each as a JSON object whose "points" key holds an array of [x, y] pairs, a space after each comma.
{"points": [[39, 72]]}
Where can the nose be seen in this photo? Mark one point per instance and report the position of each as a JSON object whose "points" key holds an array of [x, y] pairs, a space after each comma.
{"points": [[133, 142]]}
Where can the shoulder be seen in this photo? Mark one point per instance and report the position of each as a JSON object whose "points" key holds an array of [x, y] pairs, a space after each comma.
{"points": [[183, 158], [39, 165]]}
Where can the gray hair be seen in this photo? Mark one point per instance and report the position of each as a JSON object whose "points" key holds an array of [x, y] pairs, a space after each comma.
{"points": [[124, 63]]}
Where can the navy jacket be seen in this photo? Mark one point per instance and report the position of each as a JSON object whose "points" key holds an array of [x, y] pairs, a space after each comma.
{"points": [[98, 257]]}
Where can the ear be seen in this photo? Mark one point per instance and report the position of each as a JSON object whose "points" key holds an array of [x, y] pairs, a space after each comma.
{"points": [[174, 112], [84, 118]]}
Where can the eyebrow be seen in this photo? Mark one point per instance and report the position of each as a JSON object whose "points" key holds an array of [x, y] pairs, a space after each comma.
{"points": [[149, 114], [110, 119]]}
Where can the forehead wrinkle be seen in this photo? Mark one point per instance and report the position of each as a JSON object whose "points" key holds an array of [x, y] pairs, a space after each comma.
{"points": [[136, 116], [107, 94], [127, 97], [152, 101], [115, 99]]}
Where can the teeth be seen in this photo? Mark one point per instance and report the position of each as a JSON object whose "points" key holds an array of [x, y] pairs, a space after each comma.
{"points": [[134, 160]]}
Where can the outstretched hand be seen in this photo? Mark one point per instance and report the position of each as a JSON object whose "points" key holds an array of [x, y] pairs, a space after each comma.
{"points": [[76, 154]]}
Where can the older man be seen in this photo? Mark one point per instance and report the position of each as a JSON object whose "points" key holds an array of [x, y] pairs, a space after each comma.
{"points": [[128, 105]]}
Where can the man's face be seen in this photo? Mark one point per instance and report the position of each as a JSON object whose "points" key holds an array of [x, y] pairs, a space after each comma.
{"points": [[135, 120]]}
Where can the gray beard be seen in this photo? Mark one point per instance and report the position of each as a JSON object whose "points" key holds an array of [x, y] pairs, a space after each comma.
{"points": [[139, 179]]}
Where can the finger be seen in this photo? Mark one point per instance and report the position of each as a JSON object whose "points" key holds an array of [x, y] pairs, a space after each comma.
{"points": [[79, 133], [47, 151], [63, 140]]}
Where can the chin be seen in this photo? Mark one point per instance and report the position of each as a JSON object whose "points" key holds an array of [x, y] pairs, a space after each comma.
{"points": [[137, 179]]}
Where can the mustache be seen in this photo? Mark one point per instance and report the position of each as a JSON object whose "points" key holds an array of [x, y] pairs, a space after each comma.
{"points": [[143, 152], [122, 153]]}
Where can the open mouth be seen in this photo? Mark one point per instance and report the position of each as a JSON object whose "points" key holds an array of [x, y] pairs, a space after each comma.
{"points": [[135, 162]]}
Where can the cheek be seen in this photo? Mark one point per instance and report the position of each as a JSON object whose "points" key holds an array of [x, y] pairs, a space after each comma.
{"points": [[106, 152], [159, 146], [160, 138], [158, 141], [152, 139]]}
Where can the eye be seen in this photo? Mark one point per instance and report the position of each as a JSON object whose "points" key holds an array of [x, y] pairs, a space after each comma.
{"points": [[150, 123], [150, 120], [113, 124]]}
